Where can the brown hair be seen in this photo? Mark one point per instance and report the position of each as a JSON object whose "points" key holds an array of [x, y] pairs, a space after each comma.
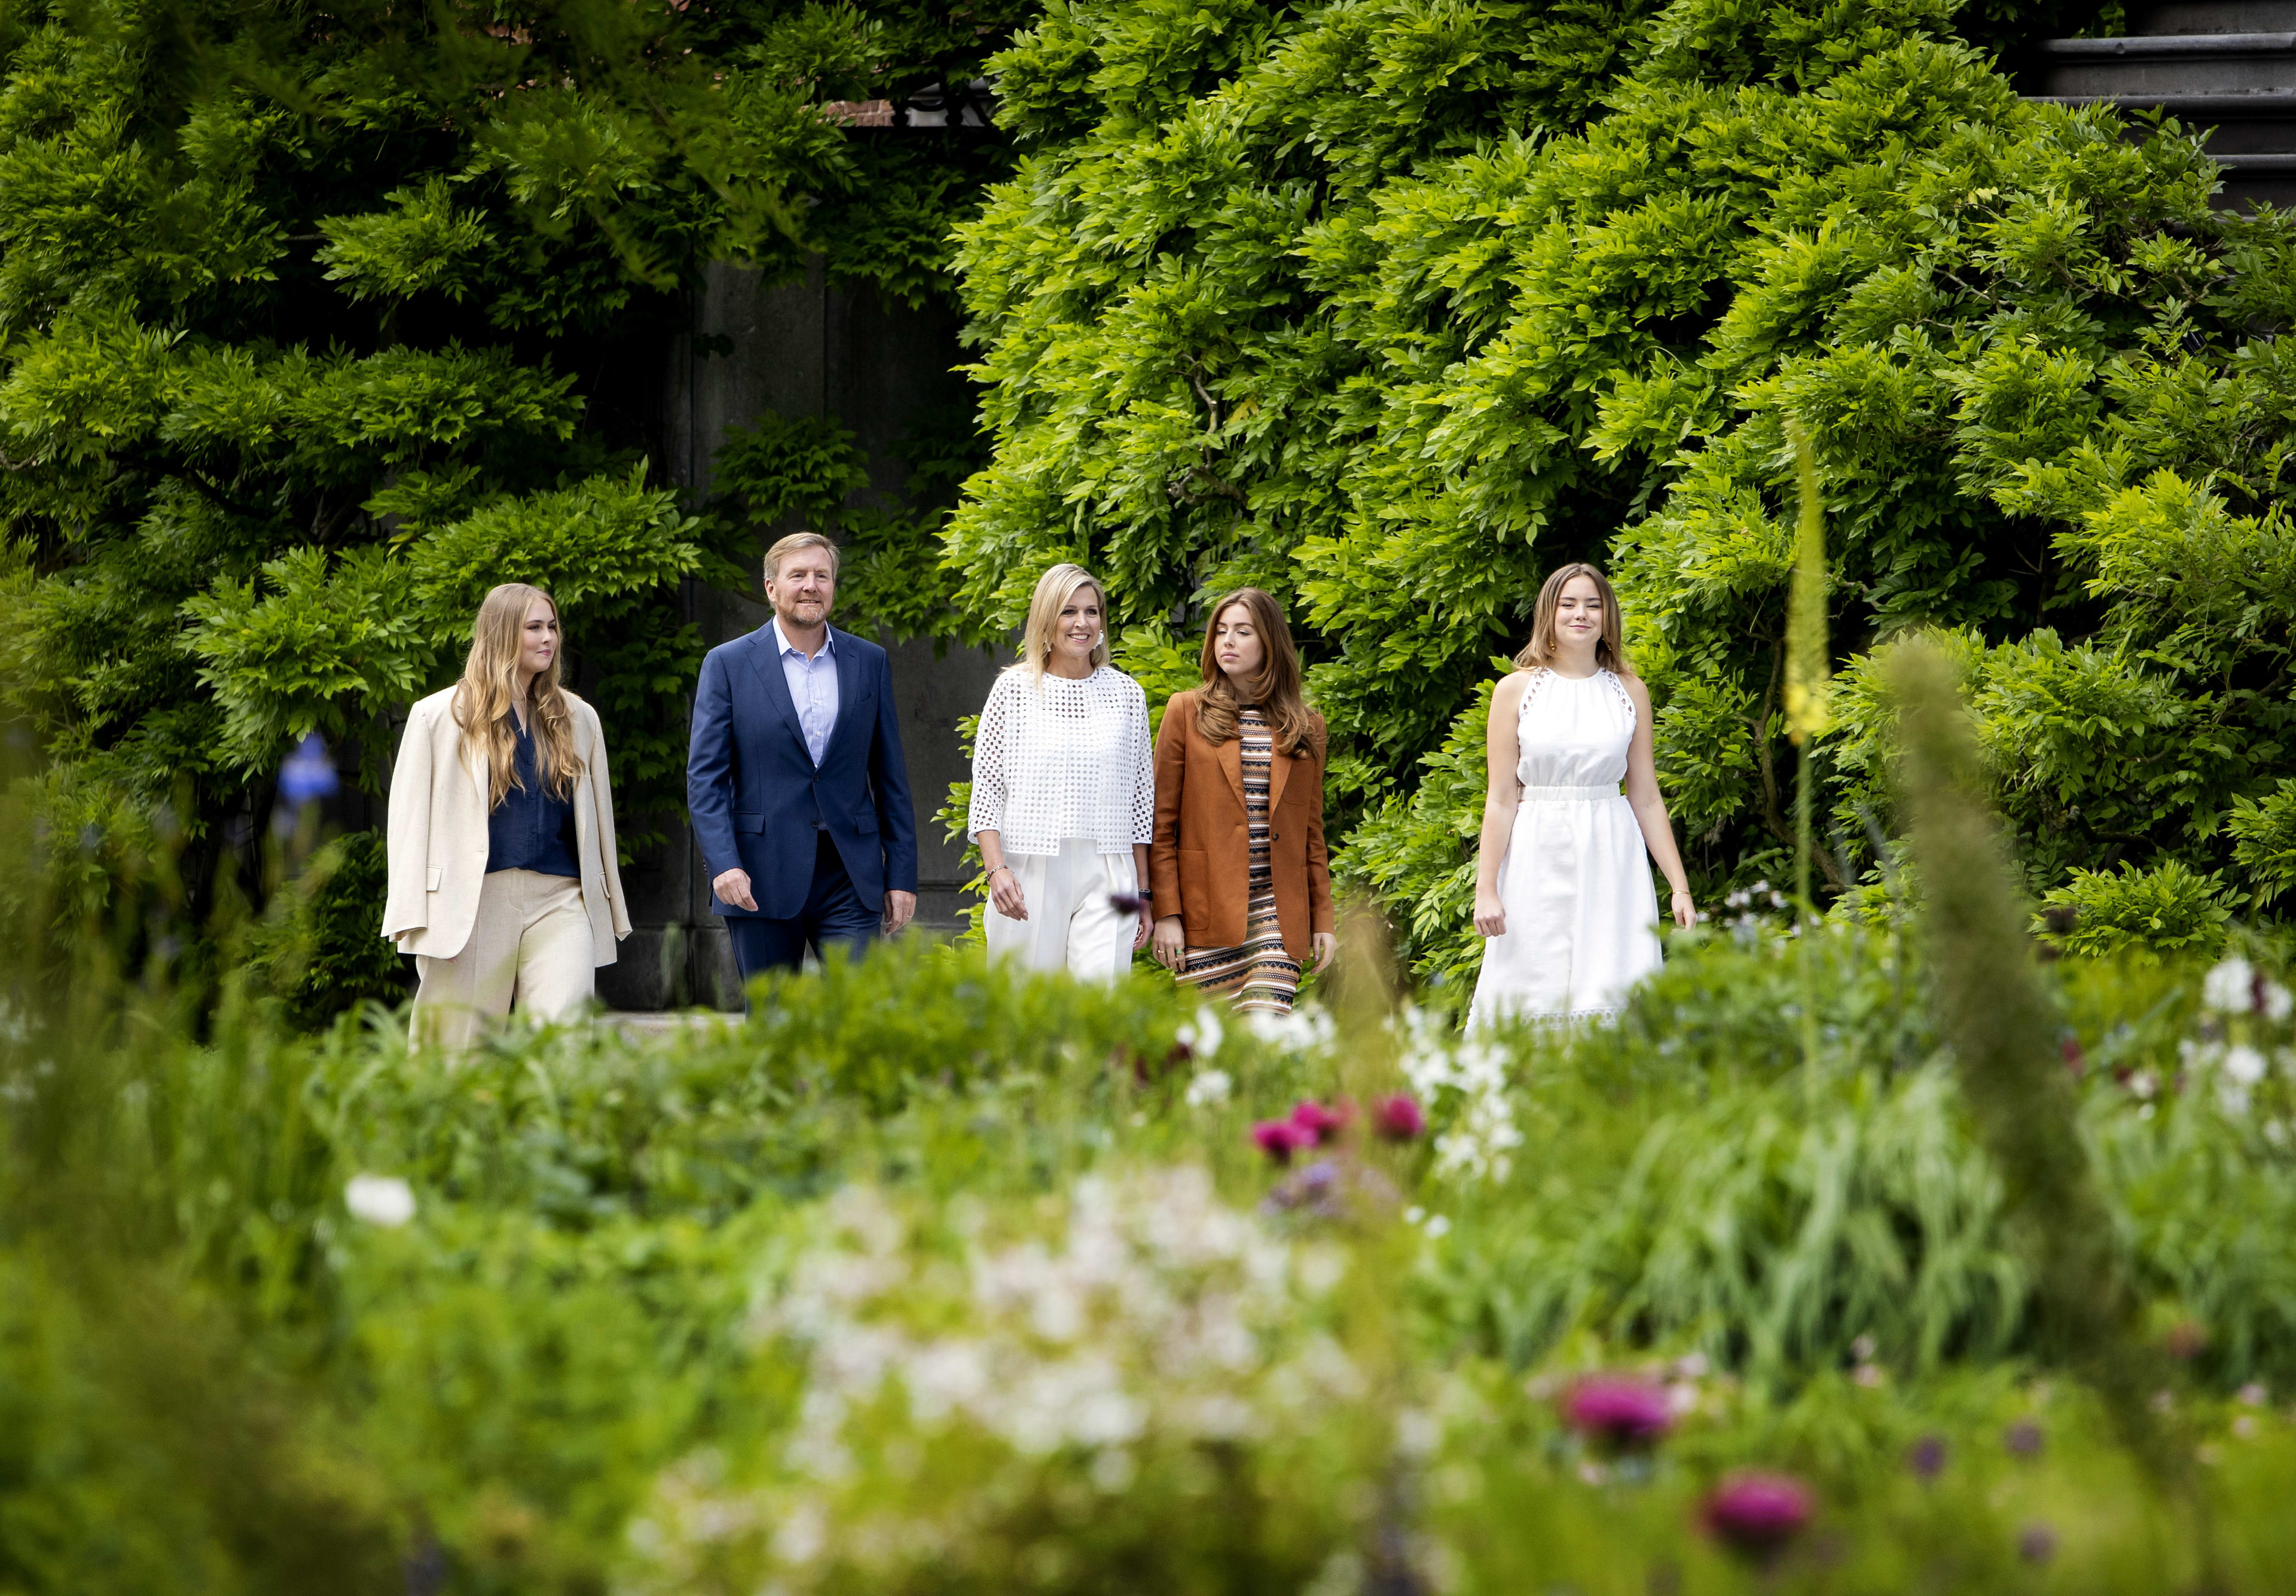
{"points": [[1275, 691], [482, 699], [1610, 650]]}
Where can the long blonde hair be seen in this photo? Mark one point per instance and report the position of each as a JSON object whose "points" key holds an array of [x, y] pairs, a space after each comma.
{"points": [[1610, 649], [482, 699], [1275, 689], [1055, 589]]}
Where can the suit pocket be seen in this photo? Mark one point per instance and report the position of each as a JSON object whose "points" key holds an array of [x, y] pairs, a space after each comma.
{"points": [[750, 823], [866, 822], [437, 876], [1195, 895]]}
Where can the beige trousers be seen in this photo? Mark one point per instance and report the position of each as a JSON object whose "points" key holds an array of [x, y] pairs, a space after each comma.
{"points": [[529, 950]]}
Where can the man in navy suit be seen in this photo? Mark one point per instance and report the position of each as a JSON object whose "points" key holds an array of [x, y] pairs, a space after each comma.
{"points": [[794, 778]]}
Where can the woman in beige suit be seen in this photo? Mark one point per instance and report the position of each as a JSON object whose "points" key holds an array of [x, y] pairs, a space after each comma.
{"points": [[503, 883]]}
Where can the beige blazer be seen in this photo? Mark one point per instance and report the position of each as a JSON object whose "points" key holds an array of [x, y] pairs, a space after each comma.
{"points": [[437, 841]]}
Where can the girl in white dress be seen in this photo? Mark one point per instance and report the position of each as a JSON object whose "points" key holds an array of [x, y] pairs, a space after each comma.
{"points": [[1563, 890], [1064, 792]]}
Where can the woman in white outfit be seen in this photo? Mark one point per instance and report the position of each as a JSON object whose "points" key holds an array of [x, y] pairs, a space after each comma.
{"points": [[1563, 890], [502, 879], [1063, 791]]}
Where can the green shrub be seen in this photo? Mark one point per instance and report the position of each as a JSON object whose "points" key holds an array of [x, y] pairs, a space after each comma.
{"points": [[1393, 315], [315, 332], [317, 950], [2169, 909]]}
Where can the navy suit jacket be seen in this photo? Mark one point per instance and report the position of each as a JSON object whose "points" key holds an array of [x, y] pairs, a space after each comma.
{"points": [[754, 793]]}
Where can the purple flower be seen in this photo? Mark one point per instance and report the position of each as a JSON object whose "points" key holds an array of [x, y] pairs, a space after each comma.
{"points": [[1319, 1124], [308, 774], [1400, 1118], [1757, 1513], [1927, 1458], [2037, 1543], [1618, 1410], [1279, 1138], [2023, 1438]]}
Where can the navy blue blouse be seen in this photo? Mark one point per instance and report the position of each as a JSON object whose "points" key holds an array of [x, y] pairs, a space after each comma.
{"points": [[529, 829]]}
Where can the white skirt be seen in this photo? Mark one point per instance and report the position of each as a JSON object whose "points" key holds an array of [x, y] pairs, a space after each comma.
{"points": [[1581, 913]]}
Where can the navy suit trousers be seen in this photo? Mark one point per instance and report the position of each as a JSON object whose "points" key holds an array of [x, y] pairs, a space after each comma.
{"points": [[834, 916]]}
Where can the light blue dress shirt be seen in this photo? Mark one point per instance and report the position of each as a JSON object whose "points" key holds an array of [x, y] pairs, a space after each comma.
{"points": [[813, 688]]}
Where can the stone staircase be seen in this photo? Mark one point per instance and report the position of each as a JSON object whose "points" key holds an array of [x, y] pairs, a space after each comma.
{"points": [[2229, 65]]}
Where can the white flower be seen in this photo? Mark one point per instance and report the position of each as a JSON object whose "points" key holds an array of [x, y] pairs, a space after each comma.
{"points": [[2244, 1064], [384, 1200], [1300, 1031], [2232, 1097], [1203, 1035], [2278, 1003], [2231, 986], [802, 1534], [1209, 1087]]}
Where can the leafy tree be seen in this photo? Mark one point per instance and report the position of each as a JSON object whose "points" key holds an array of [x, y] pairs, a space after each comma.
{"points": [[314, 322], [1392, 308]]}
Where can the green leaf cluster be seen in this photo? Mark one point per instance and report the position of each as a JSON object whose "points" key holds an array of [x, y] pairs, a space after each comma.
{"points": [[316, 323], [1392, 308]]}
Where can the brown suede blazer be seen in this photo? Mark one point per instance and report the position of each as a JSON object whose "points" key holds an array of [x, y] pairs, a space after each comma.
{"points": [[1200, 864]]}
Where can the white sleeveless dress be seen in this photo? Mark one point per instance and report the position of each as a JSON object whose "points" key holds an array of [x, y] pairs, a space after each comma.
{"points": [[1581, 913]]}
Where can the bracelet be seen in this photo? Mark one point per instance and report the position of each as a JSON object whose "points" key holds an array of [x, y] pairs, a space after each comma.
{"points": [[1006, 869]]}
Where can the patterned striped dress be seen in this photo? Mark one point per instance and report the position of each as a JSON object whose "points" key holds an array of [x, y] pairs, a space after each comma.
{"points": [[1260, 975]]}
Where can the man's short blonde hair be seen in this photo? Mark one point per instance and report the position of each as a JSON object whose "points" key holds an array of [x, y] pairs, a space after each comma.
{"points": [[790, 544]]}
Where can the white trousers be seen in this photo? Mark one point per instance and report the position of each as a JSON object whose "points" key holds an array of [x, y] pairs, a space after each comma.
{"points": [[530, 950], [1071, 925]]}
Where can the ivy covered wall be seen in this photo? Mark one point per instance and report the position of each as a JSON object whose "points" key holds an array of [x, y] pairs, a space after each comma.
{"points": [[1391, 306]]}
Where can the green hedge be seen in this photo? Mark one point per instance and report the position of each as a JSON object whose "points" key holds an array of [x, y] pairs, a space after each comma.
{"points": [[1391, 310]]}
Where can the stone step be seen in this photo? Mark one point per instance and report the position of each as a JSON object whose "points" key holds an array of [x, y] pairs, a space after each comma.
{"points": [[2213, 16], [2211, 64]]}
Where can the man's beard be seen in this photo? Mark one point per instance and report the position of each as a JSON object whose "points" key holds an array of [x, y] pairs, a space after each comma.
{"points": [[793, 611]]}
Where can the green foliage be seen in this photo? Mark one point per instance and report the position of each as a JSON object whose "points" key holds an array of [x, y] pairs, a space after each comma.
{"points": [[2167, 908], [1392, 314], [317, 949], [313, 328], [662, 1295], [782, 473]]}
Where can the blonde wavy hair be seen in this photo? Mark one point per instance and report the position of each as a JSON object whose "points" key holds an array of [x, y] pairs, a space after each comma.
{"points": [[1055, 589], [1274, 689], [482, 699], [1609, 648]]}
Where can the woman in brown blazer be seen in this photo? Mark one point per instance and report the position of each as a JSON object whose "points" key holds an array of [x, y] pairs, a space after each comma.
{"points": [[1242, 887]]}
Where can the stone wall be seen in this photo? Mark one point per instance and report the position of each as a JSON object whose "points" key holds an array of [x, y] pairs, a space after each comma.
{"points": [[802, 349]]}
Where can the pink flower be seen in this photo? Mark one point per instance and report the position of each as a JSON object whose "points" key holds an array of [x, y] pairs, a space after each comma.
{"points": [[1400, 1118], [1620, 1412], [1279, 1138], [1758, 1513], [1316, 1122]]}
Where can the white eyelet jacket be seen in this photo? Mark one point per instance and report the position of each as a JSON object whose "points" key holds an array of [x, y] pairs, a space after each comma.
{"points": [[1056, 760]]}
